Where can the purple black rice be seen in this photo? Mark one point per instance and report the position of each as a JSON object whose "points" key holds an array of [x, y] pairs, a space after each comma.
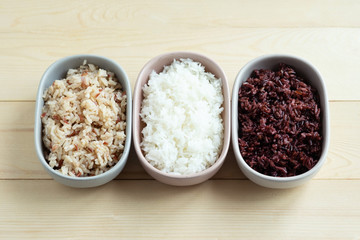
{"points": [[279, 122]]}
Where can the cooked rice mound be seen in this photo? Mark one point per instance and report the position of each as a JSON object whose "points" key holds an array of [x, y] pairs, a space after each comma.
{"points": [[84, 122], [182, 109]]}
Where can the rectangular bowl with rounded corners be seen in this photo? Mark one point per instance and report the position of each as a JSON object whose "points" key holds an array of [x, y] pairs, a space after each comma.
{"points": [[58, 71], [157, 64], [309, 73]]}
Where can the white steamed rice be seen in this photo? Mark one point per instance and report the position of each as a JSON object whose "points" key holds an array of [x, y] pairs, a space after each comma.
{"points": [[182, 109], [84, 122]]}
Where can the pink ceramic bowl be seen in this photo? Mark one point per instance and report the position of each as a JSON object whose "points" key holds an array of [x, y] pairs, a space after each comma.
{"points": [[158, 64]]}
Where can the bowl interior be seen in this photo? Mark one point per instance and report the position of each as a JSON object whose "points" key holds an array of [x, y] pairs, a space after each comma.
{"points": [[58, 71], [157, 64], [312, 76]]}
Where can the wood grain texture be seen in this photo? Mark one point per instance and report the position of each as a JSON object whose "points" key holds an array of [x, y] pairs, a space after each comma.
{"points": [[16, 132], [186, 14], [34, 34], [232, 48], [217, 209]]}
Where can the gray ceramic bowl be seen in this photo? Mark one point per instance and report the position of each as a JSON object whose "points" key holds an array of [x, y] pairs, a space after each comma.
{"points": [[312, 75], [57, 71], [158, 64]]}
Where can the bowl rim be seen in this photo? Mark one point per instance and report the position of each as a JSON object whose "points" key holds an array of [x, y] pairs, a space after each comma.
{"points": [[226, 120], [38, 122], [326, 115]]}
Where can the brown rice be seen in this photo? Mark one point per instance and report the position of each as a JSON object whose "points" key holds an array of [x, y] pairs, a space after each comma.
{"points": [[84, 121]]}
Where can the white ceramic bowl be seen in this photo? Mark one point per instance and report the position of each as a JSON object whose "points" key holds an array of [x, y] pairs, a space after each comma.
{"points": [[158, 64], [58, 71], [312, 75]]}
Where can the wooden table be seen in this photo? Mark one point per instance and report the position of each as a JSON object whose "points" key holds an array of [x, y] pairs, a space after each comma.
{"points": [[134, 206]]}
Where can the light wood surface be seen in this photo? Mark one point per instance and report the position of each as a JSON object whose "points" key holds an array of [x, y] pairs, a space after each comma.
{"points": [[34, 34]]}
